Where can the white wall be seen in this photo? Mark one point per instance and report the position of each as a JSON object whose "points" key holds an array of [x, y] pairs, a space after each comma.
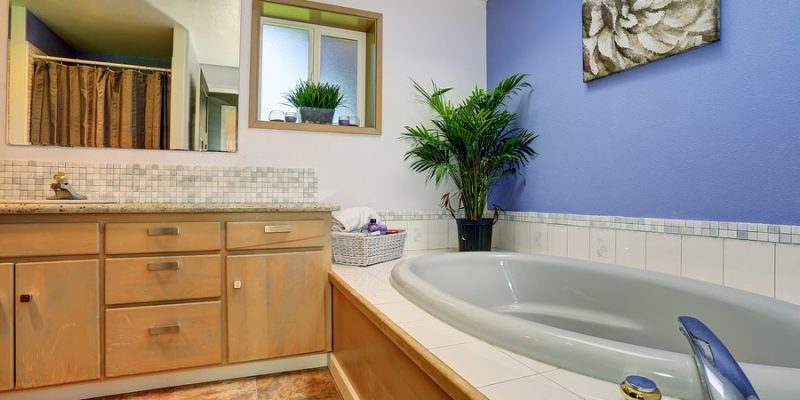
{"points": [[443, 40]]}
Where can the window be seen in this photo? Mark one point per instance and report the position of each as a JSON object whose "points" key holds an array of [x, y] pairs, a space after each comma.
{"points": [[310, 52], [302, 40]]}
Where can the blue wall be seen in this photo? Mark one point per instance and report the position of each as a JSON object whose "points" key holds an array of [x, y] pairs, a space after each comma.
{"points": [[712, 133], [41, 36]]}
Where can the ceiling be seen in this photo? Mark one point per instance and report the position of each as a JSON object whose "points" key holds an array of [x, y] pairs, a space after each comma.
{"points": [[143, 28]]}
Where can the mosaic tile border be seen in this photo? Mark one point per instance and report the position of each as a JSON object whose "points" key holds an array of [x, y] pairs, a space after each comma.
{"points": [[789, 234], [773, 233], [159, 183]]}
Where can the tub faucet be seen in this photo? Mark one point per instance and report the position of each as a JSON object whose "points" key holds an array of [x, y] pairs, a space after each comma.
{"points": [[63, 190], [720, 375]]}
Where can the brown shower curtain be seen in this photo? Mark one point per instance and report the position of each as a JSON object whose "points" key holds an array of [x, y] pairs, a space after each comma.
{"points": [[90, 106]]}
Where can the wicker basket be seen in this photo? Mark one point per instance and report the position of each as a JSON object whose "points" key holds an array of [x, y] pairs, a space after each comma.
{"points": [[358, 250]]}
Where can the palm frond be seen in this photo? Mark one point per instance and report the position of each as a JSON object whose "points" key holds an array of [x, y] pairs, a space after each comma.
{"points": [[473, 143]]}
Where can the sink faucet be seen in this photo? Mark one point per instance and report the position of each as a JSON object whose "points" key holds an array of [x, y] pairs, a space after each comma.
{"points": [[720, 375], [64, 191]]}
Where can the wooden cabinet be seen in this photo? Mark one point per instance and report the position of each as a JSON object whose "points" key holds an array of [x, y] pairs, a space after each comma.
{"points": [[162, 337], [108, 296], [57, 322], [276, 305], [6, 326], [144, 279]]}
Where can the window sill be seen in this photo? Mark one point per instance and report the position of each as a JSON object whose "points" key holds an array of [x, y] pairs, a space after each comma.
{"points": [[288, 126]]}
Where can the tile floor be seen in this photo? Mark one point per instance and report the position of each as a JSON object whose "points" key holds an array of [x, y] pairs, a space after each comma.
{"points": [[314, 384]]}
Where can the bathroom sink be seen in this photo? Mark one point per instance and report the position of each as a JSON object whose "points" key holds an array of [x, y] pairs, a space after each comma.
{"points": [[42, 201]]}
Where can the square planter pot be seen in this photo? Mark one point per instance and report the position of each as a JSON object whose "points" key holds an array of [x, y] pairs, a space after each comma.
{"points": [[313, 115]]}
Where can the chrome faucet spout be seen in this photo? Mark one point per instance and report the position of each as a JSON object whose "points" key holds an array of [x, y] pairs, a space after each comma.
{"points": [[721, 376]]}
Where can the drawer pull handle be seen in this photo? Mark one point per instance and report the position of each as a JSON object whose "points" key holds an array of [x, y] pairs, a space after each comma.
{"points": [[25, 298], [163, 231], [277, 228], [164, 266], [160, 330]]}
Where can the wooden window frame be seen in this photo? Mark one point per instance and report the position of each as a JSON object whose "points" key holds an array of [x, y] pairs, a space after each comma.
{"points": [[372, 98]]}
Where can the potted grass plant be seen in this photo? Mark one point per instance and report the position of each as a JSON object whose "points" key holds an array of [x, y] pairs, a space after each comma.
{"points": [[316, 101], [473, 144]]}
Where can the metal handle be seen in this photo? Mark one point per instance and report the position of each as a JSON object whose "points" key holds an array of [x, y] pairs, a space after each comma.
{"points": [[160, 330], [164, 266], [277, 228], [25, 298], [172, 230]]}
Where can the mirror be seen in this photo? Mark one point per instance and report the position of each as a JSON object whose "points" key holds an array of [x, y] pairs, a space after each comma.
{"points": [[141, 74]]}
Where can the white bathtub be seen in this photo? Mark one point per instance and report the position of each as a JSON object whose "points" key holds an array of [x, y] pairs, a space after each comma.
{"points": [[606, 321]]}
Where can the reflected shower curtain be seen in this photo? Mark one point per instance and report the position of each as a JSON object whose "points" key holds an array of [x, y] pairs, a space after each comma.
{"points": [[91, 106]]}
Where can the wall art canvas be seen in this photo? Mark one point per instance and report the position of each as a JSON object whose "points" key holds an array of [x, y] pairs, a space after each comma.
{"points": [[622, 34]]}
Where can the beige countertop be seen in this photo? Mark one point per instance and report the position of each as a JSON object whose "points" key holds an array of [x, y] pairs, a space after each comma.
{"points": [[42, 207]]}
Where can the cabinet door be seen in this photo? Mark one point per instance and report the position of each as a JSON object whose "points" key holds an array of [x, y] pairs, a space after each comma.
{"points": [[6, 326], [279, 309], [57, 322]]}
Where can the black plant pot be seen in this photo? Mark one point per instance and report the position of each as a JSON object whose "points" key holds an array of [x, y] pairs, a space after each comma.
{"points": [[475, 235]]}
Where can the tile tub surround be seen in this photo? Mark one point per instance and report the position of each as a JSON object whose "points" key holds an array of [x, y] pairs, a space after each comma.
{"points": [[759, 258], [495, 372], [157, 183]]}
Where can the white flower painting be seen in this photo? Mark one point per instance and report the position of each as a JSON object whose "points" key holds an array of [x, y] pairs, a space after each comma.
{"points": [[622, 34]]}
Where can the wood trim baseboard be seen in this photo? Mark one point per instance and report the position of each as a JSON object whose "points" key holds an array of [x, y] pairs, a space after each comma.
{"points": [[343, 383]]}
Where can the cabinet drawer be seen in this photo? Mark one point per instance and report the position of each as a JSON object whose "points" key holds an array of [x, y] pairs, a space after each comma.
{"points": [[57, 239], [156, 237], [132, 280], [158, 338], [276, 234]]}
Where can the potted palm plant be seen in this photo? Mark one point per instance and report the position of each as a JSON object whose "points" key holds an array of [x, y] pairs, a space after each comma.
{"points": [[316, 101], [473, 144]]}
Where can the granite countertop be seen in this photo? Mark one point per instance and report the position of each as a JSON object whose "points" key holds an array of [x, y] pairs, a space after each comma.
{"points": [[40, 207]]}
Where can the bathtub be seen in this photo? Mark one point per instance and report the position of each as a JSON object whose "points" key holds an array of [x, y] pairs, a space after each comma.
{"points": [[606, 321]]}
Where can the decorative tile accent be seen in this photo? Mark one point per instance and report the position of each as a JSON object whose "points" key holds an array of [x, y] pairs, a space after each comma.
{"points": [[157, 183], [731, 230]]}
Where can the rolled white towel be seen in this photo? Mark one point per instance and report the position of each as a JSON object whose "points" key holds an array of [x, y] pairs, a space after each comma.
{"points": [[352, 219]]}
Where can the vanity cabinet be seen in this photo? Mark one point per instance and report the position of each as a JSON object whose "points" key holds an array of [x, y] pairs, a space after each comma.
{"points": [[106, 296], [276, 305], [144, 337], [6, 326], [57, 322]]}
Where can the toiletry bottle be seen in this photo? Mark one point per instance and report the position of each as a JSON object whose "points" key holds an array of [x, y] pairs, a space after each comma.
{"points": [[372, 226]]}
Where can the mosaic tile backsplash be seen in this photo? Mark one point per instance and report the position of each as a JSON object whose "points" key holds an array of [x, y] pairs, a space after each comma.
{"points": [[157, 183]]}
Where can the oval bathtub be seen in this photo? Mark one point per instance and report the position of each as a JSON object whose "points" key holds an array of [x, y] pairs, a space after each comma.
{"points": [[606, 321]]}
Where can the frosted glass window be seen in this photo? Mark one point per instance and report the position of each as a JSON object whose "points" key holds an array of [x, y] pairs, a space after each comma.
{"points": [[284, 63], [339, 65]]}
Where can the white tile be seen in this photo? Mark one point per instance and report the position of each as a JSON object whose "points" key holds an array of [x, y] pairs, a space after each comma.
{"points": [[452, 234], [505, 235], [522, 237], [437, 234], [787, 273], [631, 246], [532, 387], [433, 333], [397, 225], [750, 266], [480, 364], [535, 365], [557, 240], [603, 245], [578, 242], [702, 258], [663, 253], [417, 236], [587, 387], [538, 238], [403, 311]]}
